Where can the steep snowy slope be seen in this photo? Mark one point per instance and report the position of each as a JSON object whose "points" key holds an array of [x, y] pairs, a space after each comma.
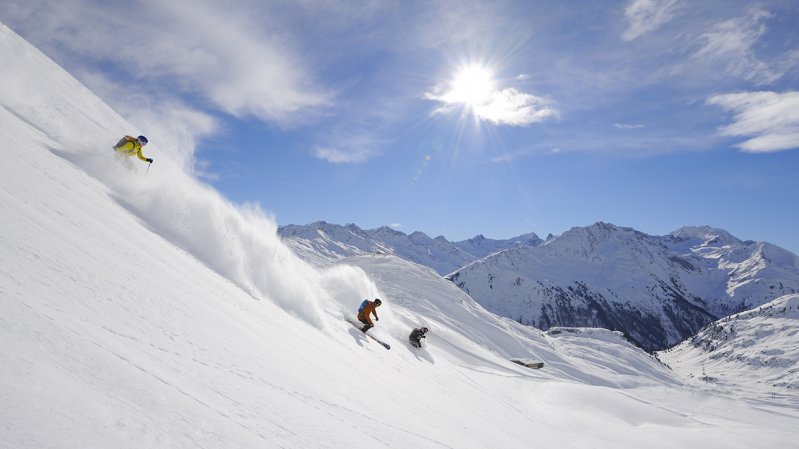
{"points": [[321, 243], [657, 290], [149, 312], [755, 353]]}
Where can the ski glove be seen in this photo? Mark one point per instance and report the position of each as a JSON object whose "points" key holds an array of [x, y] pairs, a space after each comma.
{"points": [[150, 160]]}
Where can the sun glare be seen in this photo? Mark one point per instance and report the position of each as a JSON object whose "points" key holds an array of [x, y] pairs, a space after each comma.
{"points": [[472, 86], [474, 92]]}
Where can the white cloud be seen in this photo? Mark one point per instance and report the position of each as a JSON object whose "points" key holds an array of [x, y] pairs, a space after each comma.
{"points": [[730, 45], [511, 107], [772, 119], [507, 106], [647, 15]]}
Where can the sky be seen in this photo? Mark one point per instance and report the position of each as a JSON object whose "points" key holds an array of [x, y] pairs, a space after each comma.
{"points": [[457, 118]]}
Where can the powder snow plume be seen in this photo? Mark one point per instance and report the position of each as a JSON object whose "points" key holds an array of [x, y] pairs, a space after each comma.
{"points": [[237, 241]]}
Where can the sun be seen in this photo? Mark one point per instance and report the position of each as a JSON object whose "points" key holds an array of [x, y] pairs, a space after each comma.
{"points": [[472, 86]]}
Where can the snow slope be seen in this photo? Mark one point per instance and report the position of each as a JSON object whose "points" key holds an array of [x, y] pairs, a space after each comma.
{"points": [[147, 311]]}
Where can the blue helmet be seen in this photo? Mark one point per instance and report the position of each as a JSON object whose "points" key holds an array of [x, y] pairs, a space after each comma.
{"points": [[142, 139]]}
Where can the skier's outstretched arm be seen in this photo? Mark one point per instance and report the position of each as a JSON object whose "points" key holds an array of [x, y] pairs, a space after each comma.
{"points": [[141, 156]]}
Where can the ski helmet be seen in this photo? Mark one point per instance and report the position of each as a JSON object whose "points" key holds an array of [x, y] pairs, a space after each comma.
{"points": [[142, 140], [424, 330], [378, 301]]}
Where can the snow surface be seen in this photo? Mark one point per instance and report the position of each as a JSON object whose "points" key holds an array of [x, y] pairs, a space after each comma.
{"points": [[146, 311]]}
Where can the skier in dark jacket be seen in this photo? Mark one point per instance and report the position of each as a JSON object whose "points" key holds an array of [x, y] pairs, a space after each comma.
{"points": [[417, 335]]}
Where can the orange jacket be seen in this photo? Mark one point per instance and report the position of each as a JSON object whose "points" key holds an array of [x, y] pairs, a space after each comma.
{"points": [[371, 308]]}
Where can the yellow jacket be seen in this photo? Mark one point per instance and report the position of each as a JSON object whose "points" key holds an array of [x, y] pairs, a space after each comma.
{"points": [[129, 146]]}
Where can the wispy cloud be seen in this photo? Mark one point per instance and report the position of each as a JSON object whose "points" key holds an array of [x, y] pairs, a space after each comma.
{"points": [[771, 118], [520, 154], [647, 15], [628, 125], [348, 147], [730, 46], [202, 47], [344, 155]]}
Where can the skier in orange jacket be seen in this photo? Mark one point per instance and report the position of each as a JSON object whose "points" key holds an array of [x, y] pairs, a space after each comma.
{"points": [[369, 309]]}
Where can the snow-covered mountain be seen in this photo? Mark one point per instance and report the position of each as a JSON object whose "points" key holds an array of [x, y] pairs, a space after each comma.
{"points": [[658, 290], [150, 312], [321, 243], [754, 352]]}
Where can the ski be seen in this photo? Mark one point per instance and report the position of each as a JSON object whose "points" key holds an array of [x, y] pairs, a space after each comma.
{"points": [[382, 343], [379, 341]]}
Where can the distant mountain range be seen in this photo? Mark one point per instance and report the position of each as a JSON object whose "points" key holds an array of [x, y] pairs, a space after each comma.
{"points": [[657, 290], [321, 243]]}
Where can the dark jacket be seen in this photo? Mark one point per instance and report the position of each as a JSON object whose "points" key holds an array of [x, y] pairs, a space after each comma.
{"points": [[416, 335]]}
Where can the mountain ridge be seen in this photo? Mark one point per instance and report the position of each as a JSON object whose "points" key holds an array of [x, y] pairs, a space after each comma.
{"points": [[659, 290]]}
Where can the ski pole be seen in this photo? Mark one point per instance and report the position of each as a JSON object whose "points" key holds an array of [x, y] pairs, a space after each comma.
{"points": [[148, 168]]}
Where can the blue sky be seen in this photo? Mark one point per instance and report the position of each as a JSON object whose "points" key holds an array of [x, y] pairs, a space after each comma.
{"points": [[458, 117]]}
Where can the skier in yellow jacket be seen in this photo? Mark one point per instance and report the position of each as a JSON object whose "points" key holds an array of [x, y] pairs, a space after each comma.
{"points": [[129, 146]]}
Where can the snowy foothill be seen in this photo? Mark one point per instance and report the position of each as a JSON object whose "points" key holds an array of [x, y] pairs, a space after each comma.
{"points": [[141, 309], [753, 353]]}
